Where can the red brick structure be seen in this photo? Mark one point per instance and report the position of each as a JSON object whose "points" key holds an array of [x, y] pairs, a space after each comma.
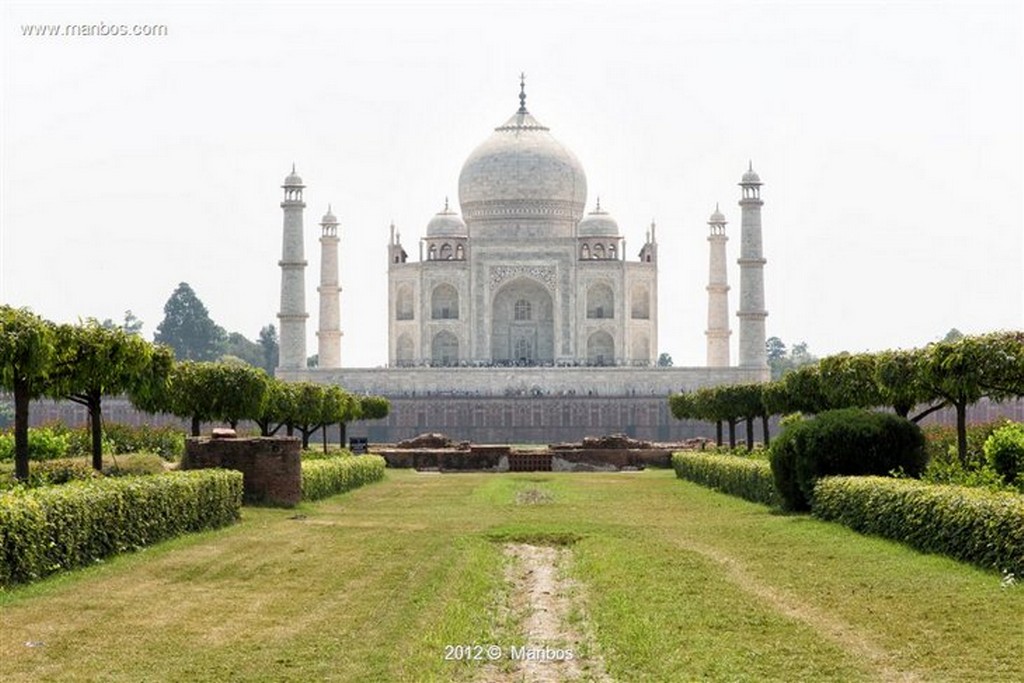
{"points": [[271, 467]]}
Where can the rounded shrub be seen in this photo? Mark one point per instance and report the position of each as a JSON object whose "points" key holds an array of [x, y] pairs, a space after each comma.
{"points": [[1004, 450], [843, 442]]}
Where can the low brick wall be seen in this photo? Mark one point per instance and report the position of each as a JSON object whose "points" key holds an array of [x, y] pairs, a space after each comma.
{"points": [[271, 467], [503, 459]]}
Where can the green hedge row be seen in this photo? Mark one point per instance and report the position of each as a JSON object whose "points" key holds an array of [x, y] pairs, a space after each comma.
{"points": [[323, 478], [48, 529], [735, 475], [969, 524]]}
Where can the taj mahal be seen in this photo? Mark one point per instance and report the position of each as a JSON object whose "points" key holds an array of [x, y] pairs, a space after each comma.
{"points": [[523, 316]]}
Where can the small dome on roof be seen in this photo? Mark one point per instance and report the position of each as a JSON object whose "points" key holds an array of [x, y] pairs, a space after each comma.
{"points": [[751, 177], [329, 217], [598, 223], [293, 179], [717, 216], [446, 223]]}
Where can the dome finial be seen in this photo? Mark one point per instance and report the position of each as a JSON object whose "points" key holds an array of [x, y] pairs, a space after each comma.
{"points": [[598, 205], [522, 93], [446, 204], [293, 167]]}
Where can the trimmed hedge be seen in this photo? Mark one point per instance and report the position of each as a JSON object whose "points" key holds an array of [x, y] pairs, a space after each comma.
{"points": [[323, 478], [850, 442], [974, 525], [744, 477], [48, 529]]}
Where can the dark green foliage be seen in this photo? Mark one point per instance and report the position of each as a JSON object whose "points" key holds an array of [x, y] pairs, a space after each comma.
{"points": [[1005, 452], [843, 442], [26, 356], [373, 408], [269, 348], [60, 471], [969, 524], [738, 476], [187, 327], [43, 444], [47, 529], [326, 477]]}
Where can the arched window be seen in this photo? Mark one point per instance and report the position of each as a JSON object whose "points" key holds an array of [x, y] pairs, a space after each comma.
{"points": [[445, 349], [641, 348], [444, 303], [523, 351], [585, 252], [601, 349], [403, 351], [599, 251], [404, 303], [523, 310], [600, 301], [446, 252], [460, 254], [640, 304], [432, 253], [611, 252]]}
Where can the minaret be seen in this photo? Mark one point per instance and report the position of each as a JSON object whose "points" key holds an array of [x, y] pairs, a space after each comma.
{"points": [[329, 334], [752, 312], [718, 295], [293, 314]]}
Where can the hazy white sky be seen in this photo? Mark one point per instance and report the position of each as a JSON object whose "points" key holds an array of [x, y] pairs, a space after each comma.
{"points": [[889, 136]]}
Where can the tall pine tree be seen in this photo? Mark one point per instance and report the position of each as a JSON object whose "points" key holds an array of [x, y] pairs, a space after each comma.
{"points": [[188, 329]]}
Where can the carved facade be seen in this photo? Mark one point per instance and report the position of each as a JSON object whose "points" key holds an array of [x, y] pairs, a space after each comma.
{"points": [[526, 279]]}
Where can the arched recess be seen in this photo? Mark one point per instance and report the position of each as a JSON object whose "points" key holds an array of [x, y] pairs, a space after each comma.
{"points": [[640, 303], [404, 309], [585, 252], [600, 301], [600, 349], [446, 252], [404, 350], [444, 303], [444, 349], [641, 348], [522, 323]]}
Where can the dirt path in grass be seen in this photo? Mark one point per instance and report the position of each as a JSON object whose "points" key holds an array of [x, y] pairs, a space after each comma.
{"points": [[844, 635], [543, 599]]}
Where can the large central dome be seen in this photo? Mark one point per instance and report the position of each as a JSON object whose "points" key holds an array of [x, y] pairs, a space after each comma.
{"points": [[522, 171]]}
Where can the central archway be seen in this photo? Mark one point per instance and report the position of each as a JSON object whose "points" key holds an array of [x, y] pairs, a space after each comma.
{"points": [[522, 324]]}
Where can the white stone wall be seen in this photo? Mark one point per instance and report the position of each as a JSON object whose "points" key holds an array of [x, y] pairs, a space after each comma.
{"points": [[580, 381]]}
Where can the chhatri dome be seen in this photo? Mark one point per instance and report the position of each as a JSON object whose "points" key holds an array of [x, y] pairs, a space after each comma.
{"points": [[293, 179], [446, 223], [598, 224], [522, 171]]}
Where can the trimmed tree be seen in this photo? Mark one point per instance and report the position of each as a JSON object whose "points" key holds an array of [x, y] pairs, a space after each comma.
{"points": [[964, 371], [26, 353], [94, 361]]}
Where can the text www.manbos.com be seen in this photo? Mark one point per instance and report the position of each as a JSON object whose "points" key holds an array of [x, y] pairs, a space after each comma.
{"points": [[102, 30]]}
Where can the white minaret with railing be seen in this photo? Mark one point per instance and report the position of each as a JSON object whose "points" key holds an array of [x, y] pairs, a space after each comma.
{"points": [[752, 311], [292, 315], [718, 331], [329, 334]]}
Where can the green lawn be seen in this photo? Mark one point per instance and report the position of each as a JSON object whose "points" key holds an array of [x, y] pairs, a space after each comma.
{"points": [[681, 583]]}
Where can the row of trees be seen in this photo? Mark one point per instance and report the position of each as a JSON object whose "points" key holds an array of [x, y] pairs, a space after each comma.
{"points": [[232, 391], [85, 362], [956, 372]]}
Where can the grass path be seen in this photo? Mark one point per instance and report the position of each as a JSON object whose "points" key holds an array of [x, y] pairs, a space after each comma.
{"points": [[682, 584]]}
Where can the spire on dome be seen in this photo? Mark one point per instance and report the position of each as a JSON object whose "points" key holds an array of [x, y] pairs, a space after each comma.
{"points": [[522, 93], [446, 204]]}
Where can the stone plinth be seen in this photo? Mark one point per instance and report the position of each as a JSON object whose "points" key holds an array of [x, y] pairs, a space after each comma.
{"points": [[271, 467]]}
